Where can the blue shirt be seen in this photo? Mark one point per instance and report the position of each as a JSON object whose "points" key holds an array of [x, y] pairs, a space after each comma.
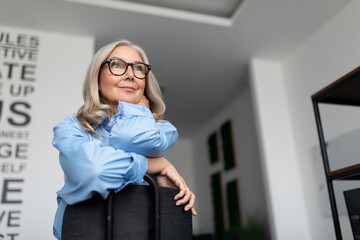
{"points": [[96, 164]]}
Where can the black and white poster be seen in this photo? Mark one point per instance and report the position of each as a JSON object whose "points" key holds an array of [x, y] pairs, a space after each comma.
{"points": [[41, 76]]}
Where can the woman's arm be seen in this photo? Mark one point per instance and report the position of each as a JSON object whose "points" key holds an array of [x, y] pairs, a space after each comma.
{"points": [[167, 172], [134, 129], [90, 167]]}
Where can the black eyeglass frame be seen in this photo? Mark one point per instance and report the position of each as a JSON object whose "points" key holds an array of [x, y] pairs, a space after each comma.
{"points": [[108, 60]]}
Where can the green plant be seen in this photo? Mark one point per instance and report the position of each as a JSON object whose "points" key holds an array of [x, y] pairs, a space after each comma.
{"points": [[254, 230]]}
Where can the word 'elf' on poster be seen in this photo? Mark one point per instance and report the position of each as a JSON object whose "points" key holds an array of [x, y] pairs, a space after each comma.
{"points": [[18, 68]]}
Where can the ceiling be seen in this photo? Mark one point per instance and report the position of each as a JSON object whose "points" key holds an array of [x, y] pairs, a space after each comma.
{"points": [[223, 8], [199, 57]]}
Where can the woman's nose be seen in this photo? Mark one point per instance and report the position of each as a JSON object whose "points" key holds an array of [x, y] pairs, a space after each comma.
{"points": [[129, 73]]}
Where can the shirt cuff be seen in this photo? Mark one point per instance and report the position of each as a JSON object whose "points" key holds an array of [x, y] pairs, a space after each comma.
{"points": [[166, 126], [129, 109], [138, 168]]}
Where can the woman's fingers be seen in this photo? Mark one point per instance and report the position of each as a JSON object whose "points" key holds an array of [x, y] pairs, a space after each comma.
{"points": [[189, 198], [193, 212], [182, 191], [191, 202], [185, 198]]}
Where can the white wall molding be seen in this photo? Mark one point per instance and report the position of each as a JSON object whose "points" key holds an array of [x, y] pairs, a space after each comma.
{"points": [[166, 12]]}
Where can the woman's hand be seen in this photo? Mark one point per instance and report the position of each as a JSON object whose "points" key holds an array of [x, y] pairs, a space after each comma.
{"points": [[144, 101], [168, 174], [185, 195], [165, 182]]}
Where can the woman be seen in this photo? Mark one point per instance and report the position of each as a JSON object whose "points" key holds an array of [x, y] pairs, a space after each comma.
{"points": [[118, 134]]}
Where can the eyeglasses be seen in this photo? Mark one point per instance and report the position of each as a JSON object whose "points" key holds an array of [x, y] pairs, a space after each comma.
{"points": [[118, 67]]}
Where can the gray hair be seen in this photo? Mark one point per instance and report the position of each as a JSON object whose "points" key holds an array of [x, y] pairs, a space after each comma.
{"points": [[94, 109]]}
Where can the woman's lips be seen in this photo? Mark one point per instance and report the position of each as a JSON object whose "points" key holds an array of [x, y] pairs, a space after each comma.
{"points": [[128, 89]]}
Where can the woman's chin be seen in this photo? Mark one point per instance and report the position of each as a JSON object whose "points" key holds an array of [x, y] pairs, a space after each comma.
{"points": [[129, 100]]}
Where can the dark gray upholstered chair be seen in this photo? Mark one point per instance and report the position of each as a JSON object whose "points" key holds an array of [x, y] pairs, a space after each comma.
{"points": [[138, 212]]}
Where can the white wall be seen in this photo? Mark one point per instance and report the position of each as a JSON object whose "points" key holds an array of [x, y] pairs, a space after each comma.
{"points": [[248, 169], [281, 172], [329, 54]]}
